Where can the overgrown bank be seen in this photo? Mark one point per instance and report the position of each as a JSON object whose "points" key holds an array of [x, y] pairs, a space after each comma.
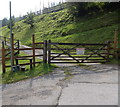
{"points": [[64, 26]]}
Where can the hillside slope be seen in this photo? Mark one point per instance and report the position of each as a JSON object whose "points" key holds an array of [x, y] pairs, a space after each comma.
{"points": [[60, 26]]}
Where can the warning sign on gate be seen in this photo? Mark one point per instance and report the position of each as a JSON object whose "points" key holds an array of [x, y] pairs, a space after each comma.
{"points": [[80, 51]]}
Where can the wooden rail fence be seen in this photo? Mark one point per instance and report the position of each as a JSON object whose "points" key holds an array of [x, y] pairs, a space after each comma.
{"points": [[16, 58], [6, 41], [53, 52]]}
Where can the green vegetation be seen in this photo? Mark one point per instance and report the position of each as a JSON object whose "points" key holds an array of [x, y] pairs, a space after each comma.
{"points": [[60, 26], [12, 23], [114, 61], [79, 24], [39, 70], [29, 19], [69, 25]]}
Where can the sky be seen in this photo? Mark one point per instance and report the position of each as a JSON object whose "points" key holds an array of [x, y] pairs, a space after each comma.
{"points": [[21, 7]]}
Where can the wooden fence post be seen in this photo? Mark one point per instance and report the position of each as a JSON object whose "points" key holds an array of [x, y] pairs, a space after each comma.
{"points": [[108, 50], [5, 40], [3, 58], [49, 51], [12, 49], [115, 40], [45, 52], [115, 43], [33, 45], [18, 46]]}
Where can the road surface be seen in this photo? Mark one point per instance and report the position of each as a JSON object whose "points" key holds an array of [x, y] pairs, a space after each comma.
{"points": [[93, 85]]}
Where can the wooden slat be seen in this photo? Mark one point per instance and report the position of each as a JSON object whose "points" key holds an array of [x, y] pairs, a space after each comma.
{"points": [[95, 44], [20, 49], [23, 58], [7, 58], [16, 43], [80, 62], [39, 48], [74, 49], [62, 49], [99, 53], [76, 56], [78, 59], [24, 64], [10, 52], [39, 43], [24, 48], [7, 54]]}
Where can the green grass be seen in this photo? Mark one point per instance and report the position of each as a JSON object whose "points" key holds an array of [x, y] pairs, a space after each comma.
{"points": [[60, 27], [114, 61], [40, 69]]}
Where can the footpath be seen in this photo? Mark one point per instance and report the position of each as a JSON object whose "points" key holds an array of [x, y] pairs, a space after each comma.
{"points": [[69, 84]]}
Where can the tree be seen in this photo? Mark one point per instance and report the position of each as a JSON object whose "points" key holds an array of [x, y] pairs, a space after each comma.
{"points": [[78, 9], [29, 19], [4, 22], [12, 22]]}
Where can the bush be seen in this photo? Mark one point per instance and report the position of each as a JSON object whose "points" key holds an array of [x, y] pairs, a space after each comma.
{"points": [[29, 19]]}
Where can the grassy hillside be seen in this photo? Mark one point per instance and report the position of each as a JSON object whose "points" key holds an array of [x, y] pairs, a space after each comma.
{"points": [[60, 26]]}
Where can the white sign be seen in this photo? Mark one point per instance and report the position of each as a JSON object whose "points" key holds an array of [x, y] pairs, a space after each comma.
{"points": [[80, 51]]}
